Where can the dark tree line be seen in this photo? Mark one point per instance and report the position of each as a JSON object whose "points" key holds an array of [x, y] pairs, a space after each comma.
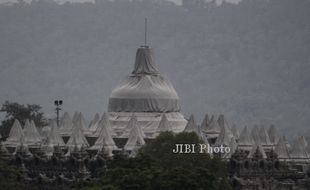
{"points": [[156, 167], [20, 112]]}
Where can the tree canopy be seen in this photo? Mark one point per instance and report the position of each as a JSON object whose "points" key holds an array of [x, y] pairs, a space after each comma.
{"points": [[20, 112], [156, 167], [12, 178]]}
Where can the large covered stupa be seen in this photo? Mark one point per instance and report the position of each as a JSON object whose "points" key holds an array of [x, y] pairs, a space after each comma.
{"points": [[147, 95]]}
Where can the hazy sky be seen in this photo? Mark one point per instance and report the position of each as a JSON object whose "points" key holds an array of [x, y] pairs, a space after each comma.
{"points": [[176, 1], [249, 62]]}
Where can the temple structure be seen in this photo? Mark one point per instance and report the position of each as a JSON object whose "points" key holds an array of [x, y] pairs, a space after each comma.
{"points": [[146, 94], [143, 105]]}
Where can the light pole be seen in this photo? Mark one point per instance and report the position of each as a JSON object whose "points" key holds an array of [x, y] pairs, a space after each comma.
{"points": [[58, 103]]}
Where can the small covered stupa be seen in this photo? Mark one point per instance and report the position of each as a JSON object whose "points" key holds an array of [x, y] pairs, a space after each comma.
{"points": [[164, 125], [146, 94], [16, 133]]}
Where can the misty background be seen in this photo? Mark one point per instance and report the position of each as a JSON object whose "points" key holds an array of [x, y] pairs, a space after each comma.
{"points": [[249, 61]]}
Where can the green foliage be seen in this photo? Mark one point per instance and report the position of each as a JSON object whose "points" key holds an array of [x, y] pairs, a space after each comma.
{"points": [[21, 112], [156, 167], [161, 151], [11, 178]]}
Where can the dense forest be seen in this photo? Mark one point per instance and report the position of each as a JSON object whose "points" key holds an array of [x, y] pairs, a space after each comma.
{"points": [[250, 60]]}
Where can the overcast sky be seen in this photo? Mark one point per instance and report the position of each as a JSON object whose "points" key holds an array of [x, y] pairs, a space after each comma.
{"points": [[176, 1], [249, 62]]}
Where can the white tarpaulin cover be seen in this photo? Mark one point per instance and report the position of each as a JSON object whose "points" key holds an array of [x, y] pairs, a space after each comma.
{"points": [[281, 149], [233, 147], [245, 139], [105, 140], [15, 135], [147, 121], [75, 116], [264, 137], [144, 63], [81, 121], [213, 129], [191, 126], [135, 139], [31, 134], [235, 131], [224, 137], [94, 123], [99, 127], [164, 124], [148, 95], [54, 138], [214, 126], [145, 90], [77, 138], [303, 140], [273, 134], [257, 147], [299, 150], [205, 123], [255, 134], [66, 124]]}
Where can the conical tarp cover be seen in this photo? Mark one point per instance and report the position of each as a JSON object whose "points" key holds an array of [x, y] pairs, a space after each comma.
{"points": [[145, 62], [164, 124], [264, 137], [94, 123], [132, 122], [214, 126], [66, 124], [255, 134], [204, 138], [235, 131], [257, 148], [54, 138], [136, 139], [205, 123], [281, 149], [105, 140], [224, 137], [77, 138], [31, 134], [145, 90], [298, 150], [304, 141], [222, 122], [233, 147], [15, 135], [308, 149], [80, 121], [273, 134], [105, 116], [191, 126], [75, 116], [245, 138]]}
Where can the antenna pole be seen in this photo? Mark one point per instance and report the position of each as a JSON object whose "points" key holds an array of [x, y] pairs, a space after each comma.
{"points": [[145, 32]]}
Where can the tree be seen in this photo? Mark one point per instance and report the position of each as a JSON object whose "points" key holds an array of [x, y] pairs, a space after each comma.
{"points": [[20, 112], [156, 167], [12, 178]]}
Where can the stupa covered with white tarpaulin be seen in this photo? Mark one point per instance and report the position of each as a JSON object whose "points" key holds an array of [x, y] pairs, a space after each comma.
{"points": [[147, 95]]}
